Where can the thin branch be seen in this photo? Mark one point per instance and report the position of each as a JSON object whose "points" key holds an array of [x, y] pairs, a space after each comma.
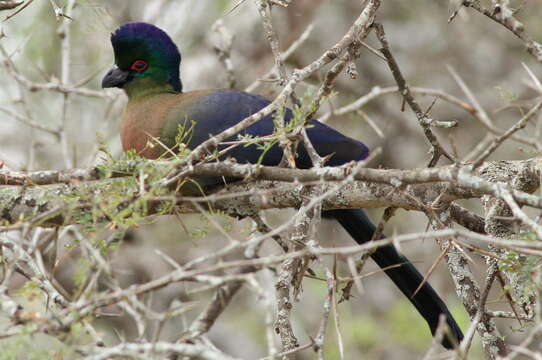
{"points": [[499, 140], [25, 5], [9, 4], [436, 149], [506, 19], [223, 47]]}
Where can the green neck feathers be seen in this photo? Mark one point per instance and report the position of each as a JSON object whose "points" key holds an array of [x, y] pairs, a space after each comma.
{"points": [[146, 86]]}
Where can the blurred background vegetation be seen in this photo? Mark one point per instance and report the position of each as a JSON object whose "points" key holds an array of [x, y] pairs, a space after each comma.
{"points": [[378, 324]]}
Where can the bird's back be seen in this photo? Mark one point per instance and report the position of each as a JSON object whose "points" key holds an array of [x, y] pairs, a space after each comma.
{"points": [[202, 114]]}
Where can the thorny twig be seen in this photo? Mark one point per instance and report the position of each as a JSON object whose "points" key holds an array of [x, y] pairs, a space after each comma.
{"points": [[502, 14], [425, 122]]}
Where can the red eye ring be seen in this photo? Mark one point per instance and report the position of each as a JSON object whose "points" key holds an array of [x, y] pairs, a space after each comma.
{"points": [[139, 65]]}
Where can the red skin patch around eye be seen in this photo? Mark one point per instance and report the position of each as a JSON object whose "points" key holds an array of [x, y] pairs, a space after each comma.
{"points": [[139, 65]]}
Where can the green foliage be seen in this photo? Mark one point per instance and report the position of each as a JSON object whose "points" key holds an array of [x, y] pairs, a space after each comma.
{"points": [[38, 346], [24, 347], [122, 203], [199, 232], [30, 291], [102, 146], [507, 94], [81, 274], [521, 267], [219, 217], [183, 137], [43, 347]]}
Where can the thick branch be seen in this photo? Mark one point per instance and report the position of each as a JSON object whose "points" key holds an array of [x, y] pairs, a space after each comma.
{"points": [[69, 203]]}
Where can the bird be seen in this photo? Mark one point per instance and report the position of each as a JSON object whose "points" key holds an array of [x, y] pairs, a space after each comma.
{"points": [[147, 68]]}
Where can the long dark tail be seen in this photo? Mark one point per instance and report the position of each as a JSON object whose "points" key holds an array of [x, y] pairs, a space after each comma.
{"points": [[405, 277]]}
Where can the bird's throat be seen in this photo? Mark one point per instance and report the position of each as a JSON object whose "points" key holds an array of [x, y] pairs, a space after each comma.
{"points": [[142, 87]]}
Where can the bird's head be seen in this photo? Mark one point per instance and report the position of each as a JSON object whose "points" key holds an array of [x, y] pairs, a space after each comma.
{"points": [[146, 60]]}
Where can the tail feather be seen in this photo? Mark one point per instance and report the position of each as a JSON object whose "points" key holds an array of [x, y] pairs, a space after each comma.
{"points": [[406, 277]]}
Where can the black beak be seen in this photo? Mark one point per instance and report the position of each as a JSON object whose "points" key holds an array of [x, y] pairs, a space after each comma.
{"points": [[115, 78]]}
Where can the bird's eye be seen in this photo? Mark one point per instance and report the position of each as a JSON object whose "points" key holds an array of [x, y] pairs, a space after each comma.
{"points": [[139, 65]]}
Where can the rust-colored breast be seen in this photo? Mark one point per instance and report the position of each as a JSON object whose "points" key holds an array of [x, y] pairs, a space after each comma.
{"points": [[142, 121]]}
